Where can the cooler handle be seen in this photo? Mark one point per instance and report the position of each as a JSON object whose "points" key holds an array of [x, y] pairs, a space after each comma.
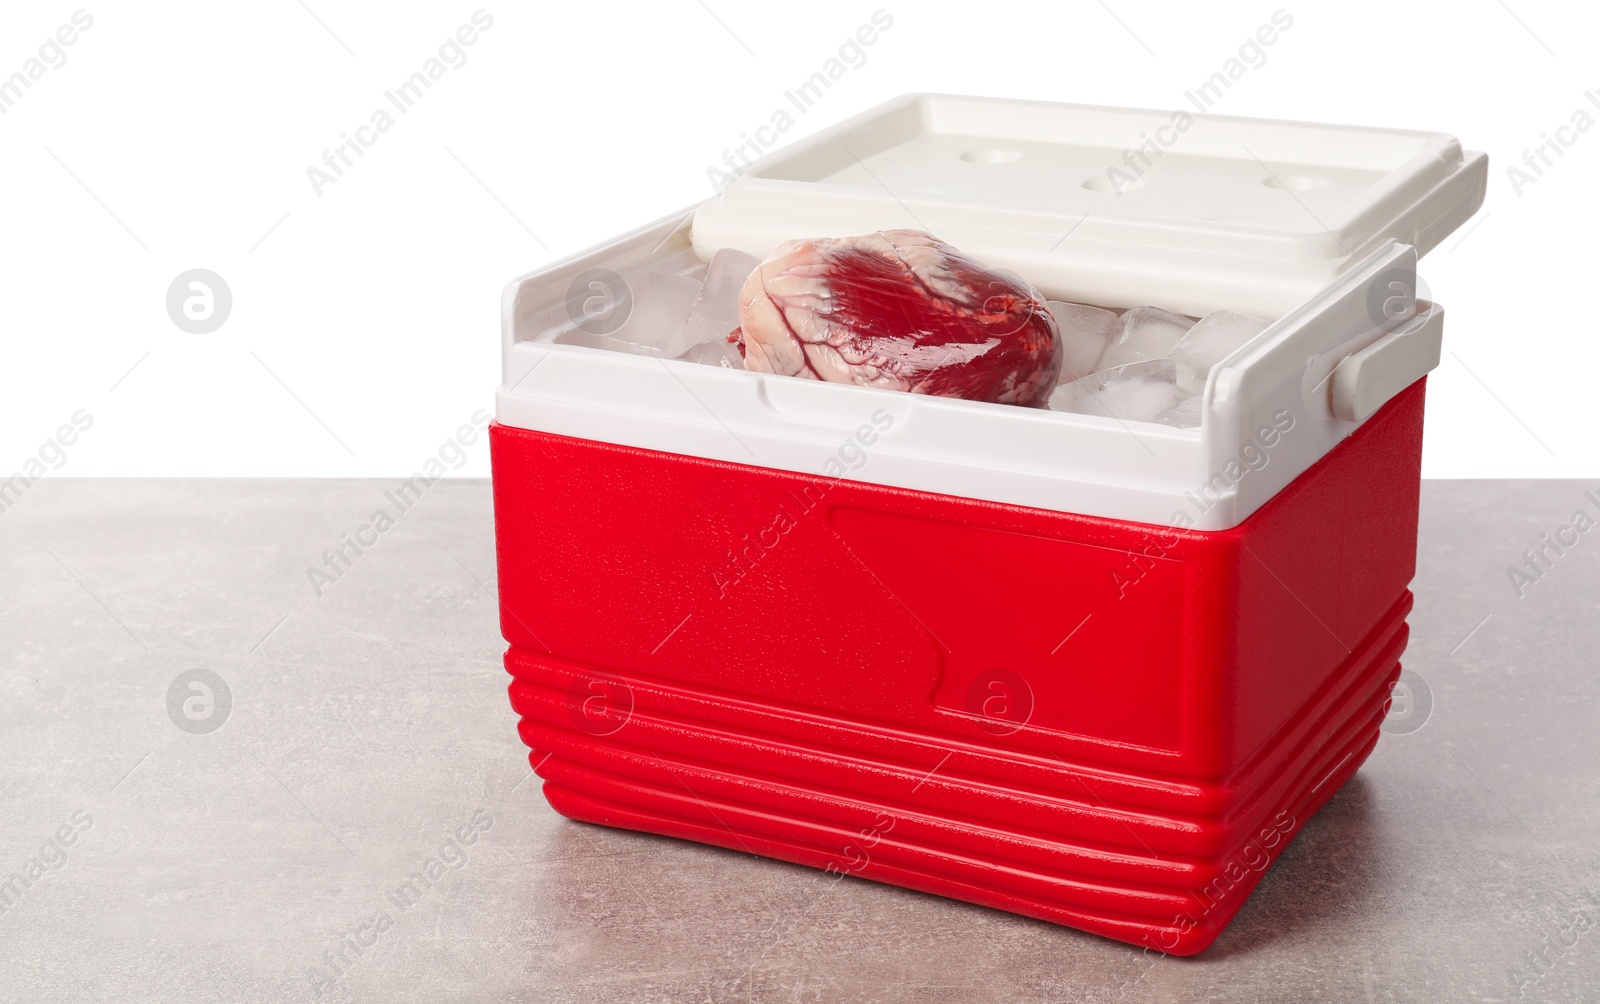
{"points": [[1364, 381]]}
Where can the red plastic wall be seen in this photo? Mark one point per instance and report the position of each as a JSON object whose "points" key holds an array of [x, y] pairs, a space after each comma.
{"points": [[1106, 724]]}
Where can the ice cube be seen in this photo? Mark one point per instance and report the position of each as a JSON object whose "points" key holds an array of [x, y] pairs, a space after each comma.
{"points": [[1184, 415], [715, 352], [1134, 392], [1213, 338], [1143, 333], [1084, 333], [1190, 380], [657, 315], [715, 312]]}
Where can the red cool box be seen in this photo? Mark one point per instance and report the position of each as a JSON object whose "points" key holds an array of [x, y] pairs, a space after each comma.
{"points": [[1092, 671]]}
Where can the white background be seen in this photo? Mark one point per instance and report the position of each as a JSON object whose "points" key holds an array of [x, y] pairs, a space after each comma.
{"points": [[365, 325]]}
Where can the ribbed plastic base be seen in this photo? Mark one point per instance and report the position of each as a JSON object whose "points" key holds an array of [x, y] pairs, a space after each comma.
{"points": [[693, 766]]}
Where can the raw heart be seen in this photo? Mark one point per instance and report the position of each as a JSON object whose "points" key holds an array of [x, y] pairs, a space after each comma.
{"points": [[901, 310]]}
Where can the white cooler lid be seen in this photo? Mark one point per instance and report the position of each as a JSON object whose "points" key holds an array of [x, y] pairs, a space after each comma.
{"points": [[1108, 205], [1298, 223]]}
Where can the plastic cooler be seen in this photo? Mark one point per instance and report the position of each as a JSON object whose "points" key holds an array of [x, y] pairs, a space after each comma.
{"points": [[1089, 671]]}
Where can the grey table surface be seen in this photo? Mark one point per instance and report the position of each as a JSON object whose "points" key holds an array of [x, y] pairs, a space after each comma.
{"points": [[369, 726]]}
